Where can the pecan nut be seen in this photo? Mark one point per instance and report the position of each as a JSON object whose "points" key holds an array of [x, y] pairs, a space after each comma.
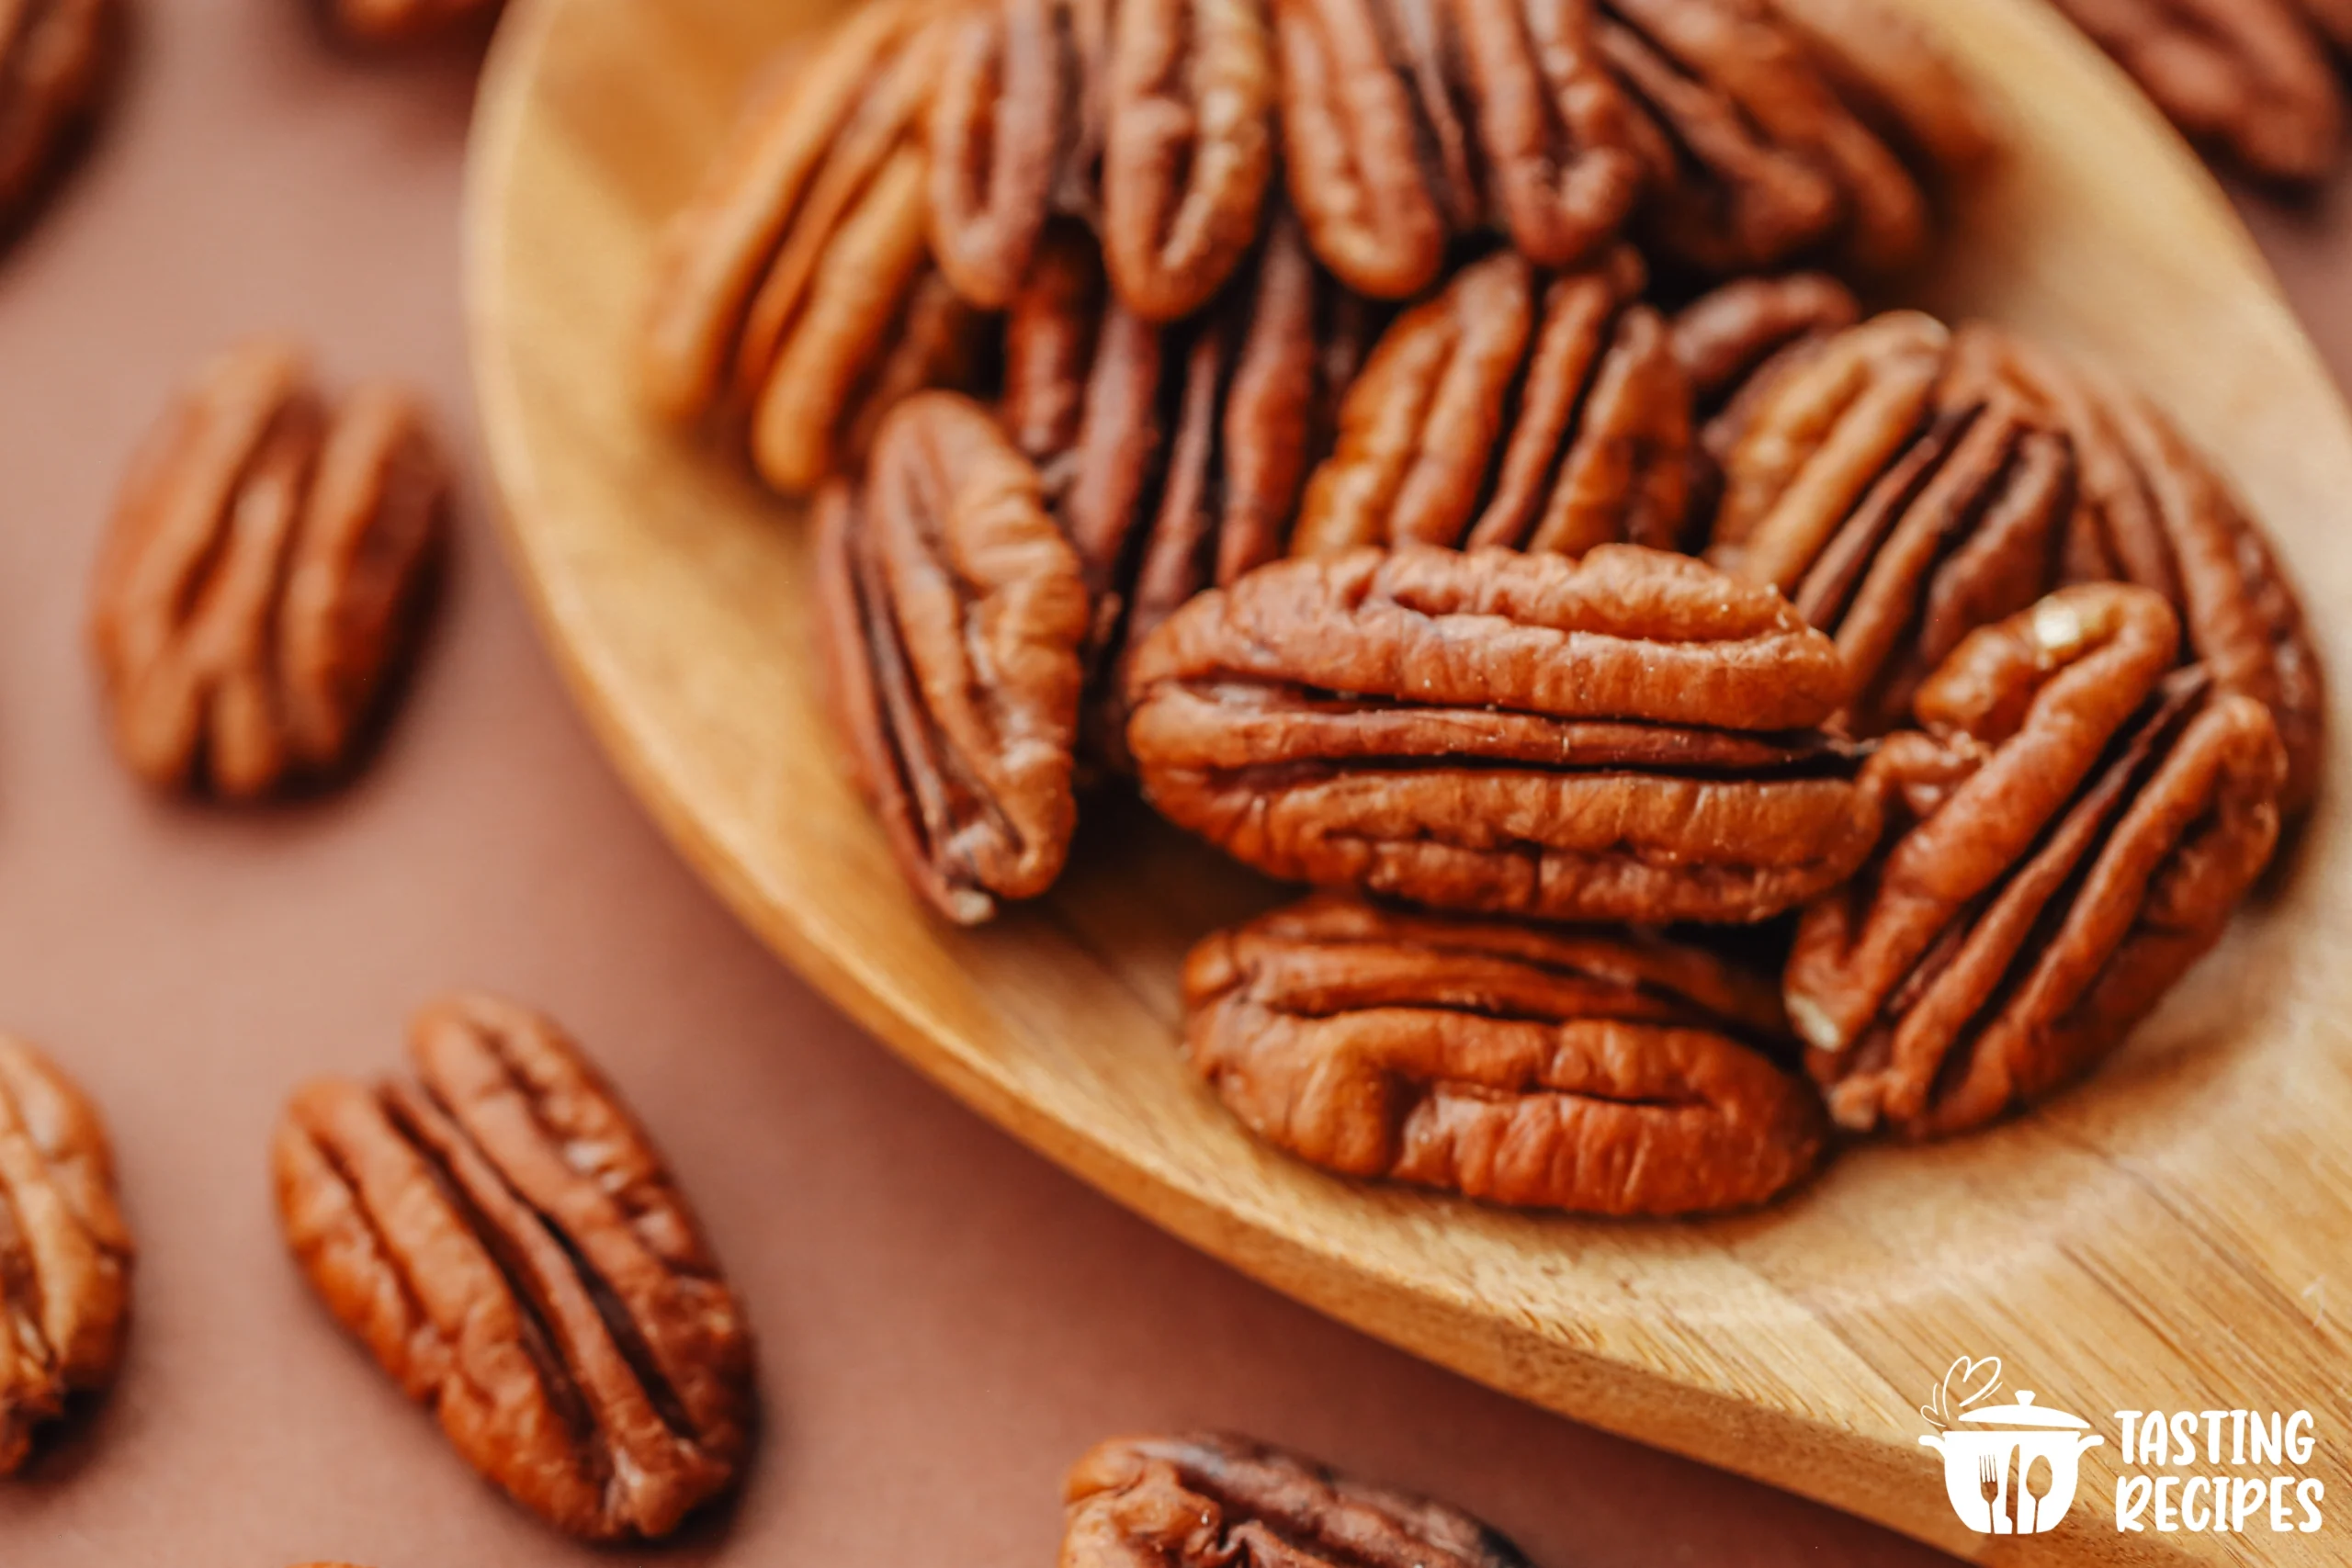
{"points": [[1899, 496], [503, 1238], [1737, 335], [64, 1254], [2151, 511], [1207, 1499], [264, 575], [1492, 416], [2069, 833], [955, 618], [1603, 1072], [1621, 739], [58, 59], [2251, 77], [797, 291], [394, 22], [1753, 157]]}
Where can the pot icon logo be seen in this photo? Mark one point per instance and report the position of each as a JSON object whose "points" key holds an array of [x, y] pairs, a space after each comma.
{"points": [[2008, 1469]]}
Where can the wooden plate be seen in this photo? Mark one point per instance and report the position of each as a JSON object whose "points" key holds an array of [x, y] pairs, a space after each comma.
{"points": [[2175, 1235]]}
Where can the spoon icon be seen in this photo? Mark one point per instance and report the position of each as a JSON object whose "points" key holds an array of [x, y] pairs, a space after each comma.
{"points": [[2037, 1482]]}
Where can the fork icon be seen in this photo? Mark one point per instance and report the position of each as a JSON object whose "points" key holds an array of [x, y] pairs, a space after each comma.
{"points": [[1988, 1484]]}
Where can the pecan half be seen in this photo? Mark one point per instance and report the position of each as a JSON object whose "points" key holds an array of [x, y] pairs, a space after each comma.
{"points": [[2249, 76], [503, 1238], [1753, 157], [57, 61], [2069, 833], [1207, 1499], [797, 290], [394, 22], [64, 1254], [1620, 738], [1900, 498], [1603, 1072], [263, 576], [956, 619], [1728, 337], [1376, 139], [2151, 511], [1490, 414]]}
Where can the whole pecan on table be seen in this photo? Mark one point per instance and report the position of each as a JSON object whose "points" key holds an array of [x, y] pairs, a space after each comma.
{"points": [[395, 22], [795, 294], [1151, 118], [503, 1238], [2067, 833], [1765, 140], [1514, 410], [58, 59], [2150, 510], [1898, 495], [1624, 738], [1407, 123], [1603, 1071], [263, 576], [1207, 1499], [64, 1254], [2250, 78], [955, 620]]}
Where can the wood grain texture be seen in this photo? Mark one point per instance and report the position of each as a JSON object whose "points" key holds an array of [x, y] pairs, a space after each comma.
{"points": [[2175, 1235]]}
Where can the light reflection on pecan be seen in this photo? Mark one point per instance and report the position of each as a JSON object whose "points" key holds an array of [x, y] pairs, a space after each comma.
{"points": [[1601, 1071]]}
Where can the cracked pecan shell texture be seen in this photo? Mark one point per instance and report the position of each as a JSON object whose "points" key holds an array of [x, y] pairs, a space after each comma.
{"points": [[2151, 511], [794, 294], [64, 1254], [1623, 737], [955, 621], [2068, 831], [2250, 77], [501, 1236], [57, 61], [264, 575], [1208, 1499], [1899, 494], [1511, 411], [1599, 1071]]}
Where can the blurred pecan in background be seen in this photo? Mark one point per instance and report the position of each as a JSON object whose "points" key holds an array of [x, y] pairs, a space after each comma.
{"points": [[500, 1234], [264, 575], [1899, 500], [57, 61], [1755, 156], [388, 22], [797, 292], [1627, 738], [2151, 511], [1508, 411], [2070, 832], [1608, 1072], [65, 1255], [2250, 77], [954, 623], [1209, 1500]]}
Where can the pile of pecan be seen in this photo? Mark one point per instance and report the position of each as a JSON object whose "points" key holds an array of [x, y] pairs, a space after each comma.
{"points": [[1376, 432]]}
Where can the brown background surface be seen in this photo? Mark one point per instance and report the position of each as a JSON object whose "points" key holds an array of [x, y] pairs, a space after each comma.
{"points": [[945, 1319]]}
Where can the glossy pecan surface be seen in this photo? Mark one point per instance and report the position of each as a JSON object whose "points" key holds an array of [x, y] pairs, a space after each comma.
{"points": [[1626, 737], [2251, 77], [796, 293], [1207, 1499], [1511, 410], [57, 61], [502, 1237], [1609, 1071], [263, 575], [956, 619], [2069, 830], [65, 1253]]}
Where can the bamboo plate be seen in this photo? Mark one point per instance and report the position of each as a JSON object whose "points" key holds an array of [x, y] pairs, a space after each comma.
{"points": [[2176, 1235]]}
